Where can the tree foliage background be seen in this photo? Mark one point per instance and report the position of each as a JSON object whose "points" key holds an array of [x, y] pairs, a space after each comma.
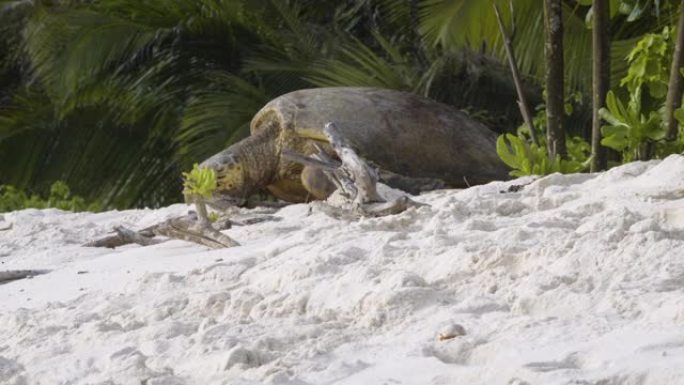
{"points": [[117, 97]]}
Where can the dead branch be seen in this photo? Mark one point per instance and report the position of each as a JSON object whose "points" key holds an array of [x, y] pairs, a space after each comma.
{"points": [[522, 102], [186, 228], [13, 275], [363, 178], [310, 161], [203, 232], [120, 239], [131, 236], [192, 231], [355, 179]]}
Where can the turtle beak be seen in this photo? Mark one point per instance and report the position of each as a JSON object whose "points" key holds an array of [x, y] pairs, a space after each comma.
{"points": [[229, 177]]}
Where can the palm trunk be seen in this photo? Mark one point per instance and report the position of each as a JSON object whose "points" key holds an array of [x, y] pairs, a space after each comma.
{"points": [[674, 91], [553, 49], [601, 79]]}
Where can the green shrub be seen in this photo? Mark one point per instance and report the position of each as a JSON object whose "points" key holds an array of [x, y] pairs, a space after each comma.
{"points": [[60, 197], [629, 128], [649, 64], [636, 128], [529, 159]]}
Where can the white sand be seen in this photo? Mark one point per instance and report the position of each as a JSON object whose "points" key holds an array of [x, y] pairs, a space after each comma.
{"points": [[576, 279]]}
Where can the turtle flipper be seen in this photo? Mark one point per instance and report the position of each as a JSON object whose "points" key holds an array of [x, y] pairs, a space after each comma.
{"points": [[312, 134], [317, 183]]}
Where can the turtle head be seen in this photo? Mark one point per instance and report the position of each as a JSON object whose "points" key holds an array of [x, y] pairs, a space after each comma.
{"points": [[245, 167], [231, 180]]}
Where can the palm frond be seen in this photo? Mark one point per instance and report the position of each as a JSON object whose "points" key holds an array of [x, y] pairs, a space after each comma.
{"points": [[218, 116], [359, 65]]}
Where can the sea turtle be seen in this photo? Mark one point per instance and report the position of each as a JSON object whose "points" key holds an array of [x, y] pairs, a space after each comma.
{"points": [[396, 131]]}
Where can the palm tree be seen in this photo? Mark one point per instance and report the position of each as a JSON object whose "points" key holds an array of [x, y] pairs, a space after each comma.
{"points": [[601, 78], [121, 95], [554, 78], [675, 87], [110, 84]]}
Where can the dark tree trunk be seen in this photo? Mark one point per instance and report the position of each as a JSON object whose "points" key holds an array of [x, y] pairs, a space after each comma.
{"points": [[601, 79], [553, 50], [674, 91]]}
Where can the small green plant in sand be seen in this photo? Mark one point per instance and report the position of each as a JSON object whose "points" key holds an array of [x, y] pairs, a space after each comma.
{"points": [[200, 181]]}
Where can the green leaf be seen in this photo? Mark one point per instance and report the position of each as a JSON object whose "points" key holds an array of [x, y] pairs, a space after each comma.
{"points": [[679, 115], [615, 137], [654, 128], [614, 8], [616, 110], [636, 12], [589, 18], [657, 90], [505, 153]]}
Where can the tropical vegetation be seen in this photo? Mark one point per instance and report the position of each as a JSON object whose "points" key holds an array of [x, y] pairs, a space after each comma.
{"points": [[117, 97], [59, 197]]}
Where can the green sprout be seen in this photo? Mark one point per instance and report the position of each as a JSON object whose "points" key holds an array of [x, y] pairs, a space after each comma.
{"points": [[199, 181], [213, 217]]}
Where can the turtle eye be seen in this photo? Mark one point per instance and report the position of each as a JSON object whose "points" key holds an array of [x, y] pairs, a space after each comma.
{"points": [[231, 159]]}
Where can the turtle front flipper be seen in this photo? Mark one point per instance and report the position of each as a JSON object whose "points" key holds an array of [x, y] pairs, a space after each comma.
{"points": [[317, 183], [314, 134], [289, 190], [309, 184]]}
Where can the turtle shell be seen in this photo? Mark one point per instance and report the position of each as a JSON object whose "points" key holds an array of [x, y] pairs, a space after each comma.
{"points": [[398, 131]]}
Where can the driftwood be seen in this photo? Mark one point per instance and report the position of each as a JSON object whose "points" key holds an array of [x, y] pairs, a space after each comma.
{"points": [[192, 227], [355, 179], [327, 164], [13, 275], [174, 228], [134, 237], [198, 231], [124, 236]]}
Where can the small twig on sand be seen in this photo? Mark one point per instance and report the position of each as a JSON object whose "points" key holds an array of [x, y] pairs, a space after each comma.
{"points": [[201, 231], [134, 237], [188, 230], [120, 239]]}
